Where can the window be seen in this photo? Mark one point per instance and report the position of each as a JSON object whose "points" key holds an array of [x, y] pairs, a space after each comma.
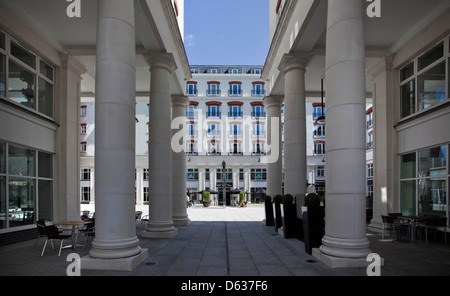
{"points": [[83, 110], [258, 130], [83, 129], [258, 111], [83, 147], [228, 174], [146, 195], [258, 89], [191, 130], [318, 112], [213, 111], [145, 174], [258, 174], [320, 171], [191, 112], [85, 195], [423, 182], [213, 71], [369, 120], [256, 71], [370, 170], [319, 131], [191, 148], [258, 149], [235, 149], [85, 175], [213, 89], [369, 144], [234, 71], [213, 130], [26, 185], [235, 111], [235, 129], [191, 89], [319, 148], [192, 174], [235, 89], [29, 80], [213, 148], [241, 174], [423, 81]]}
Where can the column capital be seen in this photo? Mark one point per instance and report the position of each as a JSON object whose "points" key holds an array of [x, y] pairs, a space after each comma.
{"points": [[180, 101], [294, 61], [273, 101], [160, 60], [382, 65]]}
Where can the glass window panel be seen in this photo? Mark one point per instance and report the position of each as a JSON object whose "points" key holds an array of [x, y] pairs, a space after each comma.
{"points": [[431, 56], [45, 97], [408, 166], [2, 158], [21, 161], [431, 86], [2, 75], [2, 40], [408, 197], [408, 98], [432, 197], [433, 162], [45, 165], [407, 72], [21, 201], [23, 55], [21, 85], [46, 70], [2, 202], [45, 195]]}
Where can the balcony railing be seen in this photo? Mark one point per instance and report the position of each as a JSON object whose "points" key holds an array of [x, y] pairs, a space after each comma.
{"points": [[258, 93], [213, 93], [213, 114], [258, 114], [235, 114], [235, 93]]}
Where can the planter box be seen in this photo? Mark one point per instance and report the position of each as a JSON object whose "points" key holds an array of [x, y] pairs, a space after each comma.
{"points": [[278, 218], [269, 213], [289, 220], [313, 227]]}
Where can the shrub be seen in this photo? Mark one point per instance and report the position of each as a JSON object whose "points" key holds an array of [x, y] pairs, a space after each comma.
{"points": [[268, 198], [241, 195], [278, 198], [288, 199], [206, 196], [312, 200]]}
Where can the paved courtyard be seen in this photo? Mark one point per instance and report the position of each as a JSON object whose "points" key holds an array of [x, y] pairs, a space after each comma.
{"points": [[231, 242]]}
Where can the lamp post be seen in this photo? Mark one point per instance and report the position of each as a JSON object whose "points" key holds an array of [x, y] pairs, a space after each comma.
{"points": [[224, 165]]}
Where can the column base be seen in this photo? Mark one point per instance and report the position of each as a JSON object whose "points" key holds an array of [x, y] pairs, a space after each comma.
{"points": [[119, 264], [338, 262], [181, 221], [159, 234]]}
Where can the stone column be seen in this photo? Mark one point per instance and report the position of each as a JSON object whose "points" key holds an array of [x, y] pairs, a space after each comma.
{"points": [[345, 243], [115, 245], [274, 153], [160, 224], [385, 141], [179, 205], [293, 66]]}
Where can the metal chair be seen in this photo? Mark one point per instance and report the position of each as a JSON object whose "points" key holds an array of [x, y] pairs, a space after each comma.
{"points": [[434, 224], [89, 230], [40, 224], [391, 223], [53, 233]]}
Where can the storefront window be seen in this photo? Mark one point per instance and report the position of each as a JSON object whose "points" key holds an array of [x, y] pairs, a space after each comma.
{"points": [[21, 201], [21, 85], [431, 87], [408, 166], [408, 197], [21, 161], [45, 97], [2, 75], [2, 158], [2, 202], [23, 55]]}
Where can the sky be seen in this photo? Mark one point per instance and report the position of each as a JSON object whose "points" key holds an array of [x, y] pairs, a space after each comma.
{"points": [[226, 32]]}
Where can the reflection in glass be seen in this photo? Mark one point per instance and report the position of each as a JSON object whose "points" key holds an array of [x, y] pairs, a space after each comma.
{"points": [[45, 163], [408, 197], [2, 40], [408, 98], [23, 55], [2, 158], [432, 162], [432, 197], [21, 85], [45, 193], [2, 75], [45, 97], [46, 70], [431, 86], [407, 72], [21, 161], [2, 202], [431, 56], [408, 165], [21, 201]]}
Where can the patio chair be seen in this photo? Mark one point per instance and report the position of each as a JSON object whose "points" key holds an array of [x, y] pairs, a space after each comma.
{"points": [[433, 224], [138, 215], [144, 220], [40, 224], [88, 230], [53, 233], [391, 223]]}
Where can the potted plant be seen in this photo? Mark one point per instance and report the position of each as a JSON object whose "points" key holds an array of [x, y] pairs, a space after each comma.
{"points": [[278, 199], [206, 199], [242, 202], [313, 222], [268, 205], [290, 214]]}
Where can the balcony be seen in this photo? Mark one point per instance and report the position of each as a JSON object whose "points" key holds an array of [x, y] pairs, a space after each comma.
{"points": [[258, 93], [259, 114], [235, 114], [213, 93], [235, 93], [191, 115], [213, 114]]}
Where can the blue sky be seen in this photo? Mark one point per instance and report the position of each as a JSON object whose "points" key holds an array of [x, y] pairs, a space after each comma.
{"points": [[226, 32]]}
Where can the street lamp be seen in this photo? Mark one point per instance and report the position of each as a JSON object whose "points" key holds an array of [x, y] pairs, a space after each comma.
{"points": [[224, 200]]}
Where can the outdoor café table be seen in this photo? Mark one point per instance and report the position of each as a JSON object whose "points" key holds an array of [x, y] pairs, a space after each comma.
{"points": [[74, 225], [412, 220]]}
